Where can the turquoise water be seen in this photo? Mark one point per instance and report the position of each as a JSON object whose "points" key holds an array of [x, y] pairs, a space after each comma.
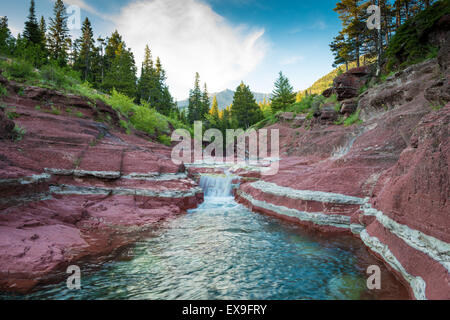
{"points": [[223, 251]]}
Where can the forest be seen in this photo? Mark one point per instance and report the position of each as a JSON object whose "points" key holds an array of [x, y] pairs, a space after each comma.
{"points": [[106, 67]]}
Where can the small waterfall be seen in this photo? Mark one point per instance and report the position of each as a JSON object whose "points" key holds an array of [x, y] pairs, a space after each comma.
{"points": [[217, 185]]}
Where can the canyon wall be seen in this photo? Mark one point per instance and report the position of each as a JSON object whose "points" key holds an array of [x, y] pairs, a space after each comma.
{"points": [[73, 188], [386, 180]]}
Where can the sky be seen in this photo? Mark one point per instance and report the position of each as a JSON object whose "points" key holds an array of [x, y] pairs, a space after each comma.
{"points": [[226, 41]]}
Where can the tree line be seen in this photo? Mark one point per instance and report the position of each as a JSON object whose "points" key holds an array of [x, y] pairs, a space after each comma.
{"points": [[244, 112], [106, 63], [355, 42]]}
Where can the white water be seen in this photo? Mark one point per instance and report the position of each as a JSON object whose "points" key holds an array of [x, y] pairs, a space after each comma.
{"points": [[217, 186]]}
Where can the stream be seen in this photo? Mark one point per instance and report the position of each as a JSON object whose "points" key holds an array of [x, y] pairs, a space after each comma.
{"points": [[221, 250]]}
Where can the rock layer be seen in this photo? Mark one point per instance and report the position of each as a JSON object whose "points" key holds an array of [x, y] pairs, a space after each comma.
{"points": [[75, 189], [386, 181]]}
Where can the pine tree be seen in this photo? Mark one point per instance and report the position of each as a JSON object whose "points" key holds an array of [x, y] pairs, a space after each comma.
{"points": [[31, 31], [195, 101], [214, 112], [58, 34], [43, 30], [353, 15], [122, 73], [144, 89], [6, 40], [245, 112], [87, 51], [206, 102], [283, 94]]}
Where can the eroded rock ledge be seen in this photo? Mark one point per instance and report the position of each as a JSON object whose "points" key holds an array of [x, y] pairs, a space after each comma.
{"points": [[75, 189], [388, 183]]}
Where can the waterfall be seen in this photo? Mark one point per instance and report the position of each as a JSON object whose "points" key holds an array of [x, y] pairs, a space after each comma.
{"points": [[217, 185]]}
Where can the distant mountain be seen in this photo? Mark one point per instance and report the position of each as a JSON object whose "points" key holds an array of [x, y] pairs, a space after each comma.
{"points": [[225, 98]]}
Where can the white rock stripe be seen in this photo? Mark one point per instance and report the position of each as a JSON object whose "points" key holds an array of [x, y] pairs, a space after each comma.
{"points": [[417, 284], [338, 221], [156, 176], [81, 190], [319, 196], [436, 249], [149, 176], [433, 247], [27, 180]]}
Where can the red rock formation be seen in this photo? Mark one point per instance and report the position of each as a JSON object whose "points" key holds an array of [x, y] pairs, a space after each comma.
{"points": [[347, 85], [386, 181], [75, 188]]}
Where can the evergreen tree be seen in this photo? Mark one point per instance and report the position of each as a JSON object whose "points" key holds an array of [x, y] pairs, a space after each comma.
{"points": [[111, 48], [205, 102], [245, 112], [122, 73], [283, 94], [152, 86], [144, 88], [58, 34], [84, 59], [31, 32], [195, 101], [6, 40], [43, 30], [214, 109]]}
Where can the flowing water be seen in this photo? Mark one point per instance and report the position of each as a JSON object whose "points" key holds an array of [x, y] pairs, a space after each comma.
{"points": [[221, 250]]}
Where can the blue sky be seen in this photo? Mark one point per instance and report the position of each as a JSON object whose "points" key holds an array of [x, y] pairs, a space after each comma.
{"points": [[226, 41]]}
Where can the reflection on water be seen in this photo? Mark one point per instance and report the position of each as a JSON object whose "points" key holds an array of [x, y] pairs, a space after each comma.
{"points": [[223, 251]]}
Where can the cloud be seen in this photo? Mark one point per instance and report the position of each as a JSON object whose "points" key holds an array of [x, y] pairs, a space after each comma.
{"points": [[291, 60], [190, 37]]}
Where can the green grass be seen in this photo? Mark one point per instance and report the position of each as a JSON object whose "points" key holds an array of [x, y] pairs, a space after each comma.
{"points": [[12, 115], [436, 106], [37, 108], [3, 91], [55, 111], [353, 119], [18, 70], [142, 117], [164, 139], [79, 114], [19, 132]]}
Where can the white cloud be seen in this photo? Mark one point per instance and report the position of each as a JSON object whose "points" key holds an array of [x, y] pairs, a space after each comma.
{"points": [[190, 37]]}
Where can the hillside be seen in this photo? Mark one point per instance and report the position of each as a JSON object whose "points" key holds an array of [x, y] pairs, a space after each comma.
{"points": [[225, 98]]}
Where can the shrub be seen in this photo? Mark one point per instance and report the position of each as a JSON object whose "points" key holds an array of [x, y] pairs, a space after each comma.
{"points": [[354, 118], [55, 111], [164, 139], [85, 89], [142, 117], [79, 114], [3, 91], [19, 132], [18, 69], [59, 77]]}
